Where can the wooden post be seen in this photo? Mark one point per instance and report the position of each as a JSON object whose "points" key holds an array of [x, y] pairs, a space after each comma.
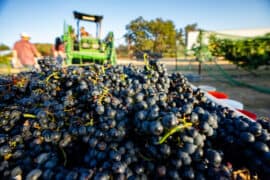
{"points": [[200, 68], [176, 55]]}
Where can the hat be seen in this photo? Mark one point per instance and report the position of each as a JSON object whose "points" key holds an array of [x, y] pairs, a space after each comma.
{"points": [[23, 34]]}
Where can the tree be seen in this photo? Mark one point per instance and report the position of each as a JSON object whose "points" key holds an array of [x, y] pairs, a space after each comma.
{"points": [[4, 47], [138, 35], [155, 35], [191, 27], [201, 51], [180, 36], [163, 35], [45, 49]]}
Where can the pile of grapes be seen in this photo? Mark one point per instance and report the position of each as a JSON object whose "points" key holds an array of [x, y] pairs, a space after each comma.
{"points": [[122, 122]]}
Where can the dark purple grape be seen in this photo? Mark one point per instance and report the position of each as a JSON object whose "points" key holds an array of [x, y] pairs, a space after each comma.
{"points": [[256, 129], [189, 148], [165, 149], [156, 128], [169, 120], [186, 160], [214, 157], [188, 173], [261, 147], [247, 137], [34, 174], [177, 163], [118, 167], [161, 171], [42, 158], [101, 146], [115, 155], [100, 109], [4, 150]]}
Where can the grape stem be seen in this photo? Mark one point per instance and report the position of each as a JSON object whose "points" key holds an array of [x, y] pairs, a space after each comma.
{"points": [[90, 123], [26, 115], [51, 75], [67, 110], [145, 59], [52, 116], [64, 155], [144, 157], [104, 93], [7, 156], [174, 130]]}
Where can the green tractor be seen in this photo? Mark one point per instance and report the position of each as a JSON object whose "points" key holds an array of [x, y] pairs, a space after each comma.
{"points": [[81, 50]]}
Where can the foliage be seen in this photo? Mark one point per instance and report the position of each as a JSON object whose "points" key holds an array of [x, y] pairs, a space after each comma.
{"points": [[217, 46], [201, 50], [191, 27], [180, 37], [247, 53], [163, 34], [4, 47], [5, 58], [45, 49], [156, 35]]}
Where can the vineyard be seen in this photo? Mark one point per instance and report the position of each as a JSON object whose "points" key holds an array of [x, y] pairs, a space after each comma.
{"points": [[248, 53]]}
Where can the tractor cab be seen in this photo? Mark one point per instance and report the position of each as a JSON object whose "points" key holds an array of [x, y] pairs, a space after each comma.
{"points": [[85, 48]]}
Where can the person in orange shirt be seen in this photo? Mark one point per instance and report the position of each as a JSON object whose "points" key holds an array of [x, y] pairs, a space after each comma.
{"points": [[83, 32], [24, 53]]}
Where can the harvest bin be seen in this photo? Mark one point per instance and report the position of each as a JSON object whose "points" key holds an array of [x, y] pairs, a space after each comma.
{"points": [[124, 131], [238, 112]]}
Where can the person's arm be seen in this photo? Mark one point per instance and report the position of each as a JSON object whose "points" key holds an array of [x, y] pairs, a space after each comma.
{"points": [[14, 51], [14, 54], [35, 51], [15, 59]]}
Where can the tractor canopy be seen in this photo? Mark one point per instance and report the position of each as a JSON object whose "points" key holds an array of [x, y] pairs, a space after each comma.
{"points": [[87, 17]]}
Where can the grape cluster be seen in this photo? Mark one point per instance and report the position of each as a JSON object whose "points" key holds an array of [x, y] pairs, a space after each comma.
{"points": [[121, 122]]}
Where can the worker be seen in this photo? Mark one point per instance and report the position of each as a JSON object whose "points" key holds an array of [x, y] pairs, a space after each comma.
{"points": [[24, 53], [59, 51], [83, 32]]}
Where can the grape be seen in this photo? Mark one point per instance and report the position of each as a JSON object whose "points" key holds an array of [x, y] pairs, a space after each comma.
{"points": [[156, 127], [261, 147], [169, 120], [247, 137], [161, 171], [34, 174], [214, 157], [189, 148], [42, 158]]}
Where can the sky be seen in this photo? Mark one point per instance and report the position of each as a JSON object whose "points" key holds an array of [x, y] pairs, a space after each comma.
{"points": [[44, 19]]}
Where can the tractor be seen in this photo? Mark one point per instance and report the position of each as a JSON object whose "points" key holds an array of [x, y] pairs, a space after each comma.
{"points": [[81, 50]]}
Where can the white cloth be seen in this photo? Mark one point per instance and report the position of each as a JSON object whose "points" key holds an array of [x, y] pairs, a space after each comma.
{"points": [[16, 63]]}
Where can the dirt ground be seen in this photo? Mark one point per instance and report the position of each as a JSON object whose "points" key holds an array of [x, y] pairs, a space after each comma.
{"points": [[253, 101]]}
